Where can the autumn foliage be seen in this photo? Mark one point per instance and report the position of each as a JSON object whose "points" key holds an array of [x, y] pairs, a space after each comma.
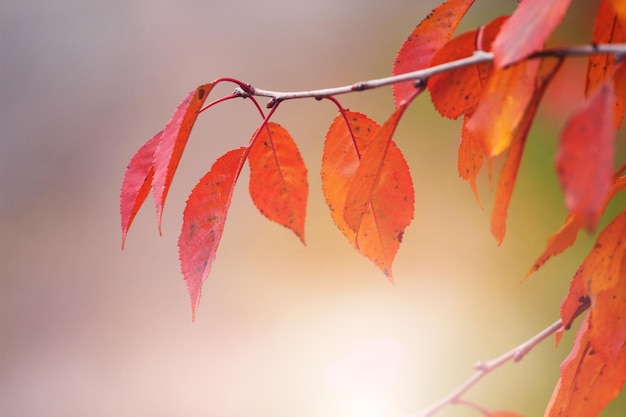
{"points": [[494, 77]]}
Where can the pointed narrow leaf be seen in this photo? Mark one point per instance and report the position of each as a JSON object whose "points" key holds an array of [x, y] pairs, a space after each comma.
{"points": [[137, 182], [278, 178], [588, 382], [607, 29], [471, 156], [566, 235], [528, 29], [172, 144], [392, 205], [427, 38], [584, 160], [369, 172], [520, 130], [455, 93], [503, 104], [203, 221]]}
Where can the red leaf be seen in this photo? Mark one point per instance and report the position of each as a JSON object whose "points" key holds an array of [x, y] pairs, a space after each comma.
{"points": [[503, 105], [601, 67], [566, 235], [203, 221], [369, 172], [588, 382], [427, 38], [471, 155], [584, 160], [606, 273], [391, 207], [278, 178], [528, 29], [455, 93], [137, 182], [519, 130], [172, 144], [601, 280]]}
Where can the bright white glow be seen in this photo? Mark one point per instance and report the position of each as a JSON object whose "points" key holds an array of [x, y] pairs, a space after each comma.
{"points": [[363, 381]]}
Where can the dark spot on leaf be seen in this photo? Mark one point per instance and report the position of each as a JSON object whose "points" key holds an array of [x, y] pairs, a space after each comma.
{"points": [[201, 93]]}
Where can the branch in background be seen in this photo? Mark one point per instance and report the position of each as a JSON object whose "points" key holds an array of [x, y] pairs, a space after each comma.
{"points": [[484, 368], [421, 76]]}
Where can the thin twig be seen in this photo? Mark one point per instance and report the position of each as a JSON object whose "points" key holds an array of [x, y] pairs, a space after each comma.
{"points": [[422, 75], [484, 368]]}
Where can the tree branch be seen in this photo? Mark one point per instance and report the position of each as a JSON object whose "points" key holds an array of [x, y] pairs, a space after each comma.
{"points": [[421, 76], [483, 368]]}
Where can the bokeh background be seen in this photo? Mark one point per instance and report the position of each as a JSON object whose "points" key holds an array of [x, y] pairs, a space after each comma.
{"points": [[87, 329]]}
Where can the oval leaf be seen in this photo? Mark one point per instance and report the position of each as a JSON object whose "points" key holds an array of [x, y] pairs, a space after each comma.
{"points": [[528, 29], [369, 171], [456, 93], [137, 182], [172, 144], [584, 160], [203, 221], [502, 106], [427, 38], [278, 178], [392, 205]]}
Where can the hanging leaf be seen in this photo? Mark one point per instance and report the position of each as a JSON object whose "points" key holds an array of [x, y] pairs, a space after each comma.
{"points": [[369, 172], [203, 221], [172, 144], [528, 29], [456, 93], [471, 155], [588, 382], [503, 105], [607, 289], [137, 182], [566, 235], [391, 208], [508, 176], [278, 178], [584, 160], [427, 38], [601, 67]]}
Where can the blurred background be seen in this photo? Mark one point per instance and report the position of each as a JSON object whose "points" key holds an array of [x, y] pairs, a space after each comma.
{"points": [[87, 329]]}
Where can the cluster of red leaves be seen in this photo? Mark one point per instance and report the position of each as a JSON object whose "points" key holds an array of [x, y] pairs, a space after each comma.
{"points": [[368, 187]]}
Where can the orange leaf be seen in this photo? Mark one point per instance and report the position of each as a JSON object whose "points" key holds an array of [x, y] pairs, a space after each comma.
{"points": [[607, 29], [172, 144], [606, 272], [137, 182], [427, 38], [203, 221], [278, 178], [503, 104], [391, 207], [471, 155], [369, 171], [620, 10], [584, 160], [519, 131], [588, 382], [528, 29], [455, 93], [566, 235]]}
